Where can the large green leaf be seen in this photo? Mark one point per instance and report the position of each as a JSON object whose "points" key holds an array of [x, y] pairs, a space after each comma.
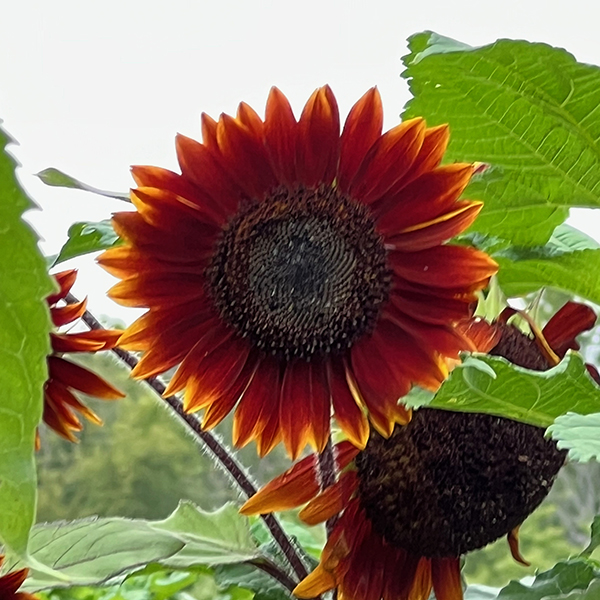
{"points": [[580, 434], [86, 237], [24, 344], [92, 551], [595, 536], [211, 538], [576, 579], [529, 110], [493, 385]]}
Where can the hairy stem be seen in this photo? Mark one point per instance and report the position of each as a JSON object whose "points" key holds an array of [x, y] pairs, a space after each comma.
{"points": [[223, 455]]}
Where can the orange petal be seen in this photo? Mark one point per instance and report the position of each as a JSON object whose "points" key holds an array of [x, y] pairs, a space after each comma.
{"points": [[318, 143], [60, 394], [318, 582], [216, 373], [513, 543], [294, 407], [348, 414], [280, 135], [171, 213], [69, 313], [290, 489], [163, 179], [567, 323], [425, 199], [70, 342], [361, 130], [203, 167], [81, 379], [482, 334], [388, 160], [159, 290], [445, 339], [445, 267], [422, 582], [245, 156], [445, 574], [165, 247], [209, 132], [247, 116], [259, 400], [437, 231], [65, 280], [209, 336], [330, 502], [431, 309], [430, 155]]}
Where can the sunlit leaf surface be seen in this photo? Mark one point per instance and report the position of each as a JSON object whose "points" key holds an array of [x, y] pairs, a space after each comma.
{"points": [[24, 344]]}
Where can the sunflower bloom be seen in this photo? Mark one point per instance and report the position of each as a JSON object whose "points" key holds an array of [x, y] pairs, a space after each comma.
{"points": [[10, 584], [441, 486], [292, 271], [64, 376]]}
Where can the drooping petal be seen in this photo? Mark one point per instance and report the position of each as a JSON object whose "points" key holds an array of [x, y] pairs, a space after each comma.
{"points": [[445, 575], [566, 324], [81, 379], [71, 342], [65, 280], [320, 406], [348, 414], [294, 408], [331, 501], [318, 141], [317, 583], [69, 313], [361, 130], [255, 407]]}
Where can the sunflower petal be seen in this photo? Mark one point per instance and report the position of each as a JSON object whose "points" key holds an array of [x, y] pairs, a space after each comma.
{"points": [[445, 574], [69, 313], [361, 130], [566, 324], [81, 379], [331, 501], [65, 280], [389, 158], [294, 407], [318, 582], [280, 135], [318, 143]]}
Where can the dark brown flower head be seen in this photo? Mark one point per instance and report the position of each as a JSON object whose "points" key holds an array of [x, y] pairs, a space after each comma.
{"points": [[10, 584], [64, 376], [443, 485], [294, 269]]}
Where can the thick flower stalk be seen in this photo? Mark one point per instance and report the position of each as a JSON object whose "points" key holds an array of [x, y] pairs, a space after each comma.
{"points": [[65, 377], [443, 485], [292, 270]]}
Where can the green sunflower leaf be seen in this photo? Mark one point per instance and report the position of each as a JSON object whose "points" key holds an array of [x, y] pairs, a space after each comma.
{"points": [[493, 385], [93, 551], [579, 434], [576, 579], [24, 344], [211, 538], [529, 110], [86, 237], [55, 178]]}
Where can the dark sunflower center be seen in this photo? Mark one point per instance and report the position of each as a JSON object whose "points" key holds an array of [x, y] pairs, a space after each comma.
{"points": [[449, 482], [301, 273]]}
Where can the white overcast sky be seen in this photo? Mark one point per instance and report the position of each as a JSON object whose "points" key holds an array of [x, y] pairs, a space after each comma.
{"points": [[92, 87]]}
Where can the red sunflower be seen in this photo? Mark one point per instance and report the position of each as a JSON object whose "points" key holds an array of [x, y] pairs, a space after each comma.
{"points": [[441, 486], [292, 270], [64, 376], [10, 584]]}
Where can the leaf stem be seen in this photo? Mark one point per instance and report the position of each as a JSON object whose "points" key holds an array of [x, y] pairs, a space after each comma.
{"points": [[223, 455]]}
